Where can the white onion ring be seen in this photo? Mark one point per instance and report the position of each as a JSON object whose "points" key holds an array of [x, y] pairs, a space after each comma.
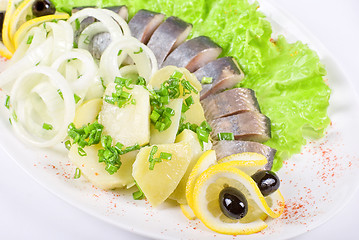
{"points": [[87, 70], [37, 87], [110, 62], [89, 33], [123, 24], [109, 23]]}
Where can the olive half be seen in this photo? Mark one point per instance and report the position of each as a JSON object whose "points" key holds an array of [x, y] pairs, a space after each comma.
{"points": [[42, 8], [233, 203]]}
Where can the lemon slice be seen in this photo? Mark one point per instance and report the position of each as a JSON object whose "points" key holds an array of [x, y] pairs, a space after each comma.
{"points": [[206, 203], [4, 51], [24, 28], [206, 160], [19, 17], [248, 162], [159, 183], [187, 211], [5, 29]]}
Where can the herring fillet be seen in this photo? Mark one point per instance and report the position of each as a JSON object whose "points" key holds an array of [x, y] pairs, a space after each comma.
{"points": [[144, 23], [194, 53], [230, 102], [225, 73], [247, 126], [171, 33], [226, 148]]}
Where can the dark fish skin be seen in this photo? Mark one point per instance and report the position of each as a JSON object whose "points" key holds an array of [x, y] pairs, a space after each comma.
{"points": [[194, 53], [99, 43], [247, 126], [171, 33], [230, 102], [225, 73], [144, 23], [226, 148]]}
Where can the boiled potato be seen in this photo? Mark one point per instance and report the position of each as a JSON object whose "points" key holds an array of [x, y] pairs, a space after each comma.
{"points": [[130, 124], [87, 112], [169, 135], [95, 171]]}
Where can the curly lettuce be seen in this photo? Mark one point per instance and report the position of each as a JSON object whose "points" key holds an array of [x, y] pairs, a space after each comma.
{"points": [[287, 77]]}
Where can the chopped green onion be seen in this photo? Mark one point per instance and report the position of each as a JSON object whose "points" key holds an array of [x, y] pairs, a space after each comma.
{"points": [[68, 144], [47, 126], [60, 93], [103, 83], [29, 40], [177, 75], [77, 24], [139, 194], [151, 159], [185, 108], [7, 102], [81, 152], [206, 80], [77, 173], [139, 51], [155, 116], [37, 64], [225, 136], [77, 98], [165, 156], [189, 101], [14, 116], [119, 52], [87, 40]]}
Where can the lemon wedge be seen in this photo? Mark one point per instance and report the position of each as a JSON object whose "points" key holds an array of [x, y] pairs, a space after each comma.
{"points": [[24, 28], [248, 162], [206, 203], [19, 17], [10, 9], [206, 160], [4, 51], [187, 211], [157, 184]]}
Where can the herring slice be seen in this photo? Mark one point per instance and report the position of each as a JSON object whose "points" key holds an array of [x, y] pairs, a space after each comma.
{"points": [[227, 148], [230, 102], [144, 23], [194, 53], [225, 73], [170, 34], [247, 126]]}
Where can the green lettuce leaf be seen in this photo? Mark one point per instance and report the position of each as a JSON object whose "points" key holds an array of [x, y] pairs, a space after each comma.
{"points": [[287, 77]]}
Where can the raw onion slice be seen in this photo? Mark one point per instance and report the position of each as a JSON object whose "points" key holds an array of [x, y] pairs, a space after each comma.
{"points": [[88, 33], [113, 58], [35, 100], [121, 22], [79, 70], [109, 23], [31, 58]]}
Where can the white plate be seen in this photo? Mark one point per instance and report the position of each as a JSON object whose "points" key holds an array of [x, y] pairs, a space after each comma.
{"points": [[309, 180]]}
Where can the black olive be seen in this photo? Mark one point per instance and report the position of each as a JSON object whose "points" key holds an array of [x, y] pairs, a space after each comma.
{"points": [[233, 203], [2, 16], [267, 181], [42, 8]]}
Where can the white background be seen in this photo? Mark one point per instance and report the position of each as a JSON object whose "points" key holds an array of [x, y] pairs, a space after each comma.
{"points": [[28, 211]]}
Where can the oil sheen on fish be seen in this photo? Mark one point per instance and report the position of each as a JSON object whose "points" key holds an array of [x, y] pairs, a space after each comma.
{"points": [[194, 53], [170, 34], [230, 102], [144, 23], [247, 126], [225, 74]]}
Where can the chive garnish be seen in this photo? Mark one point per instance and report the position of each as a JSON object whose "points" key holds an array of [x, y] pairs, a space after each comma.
{"points": [[139, 194], [67, 144], [29, 40], [77, 24], [139, 51], [77, 98], [60, 93], [206, 80], [7, 102], [225, 136], [202, 130], [119, 52], [77, 173], [47, 126], [81, 152]]}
